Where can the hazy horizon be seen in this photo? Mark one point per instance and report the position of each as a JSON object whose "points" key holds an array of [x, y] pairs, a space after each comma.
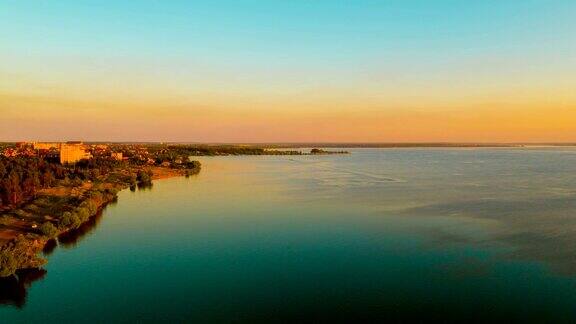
{"points": [[298, 71], [320, 144]]}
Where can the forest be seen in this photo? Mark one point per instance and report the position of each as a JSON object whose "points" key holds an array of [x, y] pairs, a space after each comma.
{"points": [[22, 177]]}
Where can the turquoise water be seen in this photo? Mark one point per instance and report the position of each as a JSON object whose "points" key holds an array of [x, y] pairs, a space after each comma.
{"points": [[402, 234]]}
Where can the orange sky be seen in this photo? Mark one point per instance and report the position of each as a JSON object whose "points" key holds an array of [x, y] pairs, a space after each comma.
{"points": [[474, 73]]}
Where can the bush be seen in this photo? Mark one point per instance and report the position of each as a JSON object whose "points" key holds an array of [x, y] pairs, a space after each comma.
{"points": [[69, 219], [91, 206], [48, 229], [18, 254], [21, 213], [8, 263], [144, 177], [133, 180], [66, 220], [83, 214], [194, 164]]}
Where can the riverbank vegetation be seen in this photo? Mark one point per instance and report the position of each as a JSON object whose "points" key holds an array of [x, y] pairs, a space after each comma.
{"points": [[317, 151], [41, 200], [175, 151]]}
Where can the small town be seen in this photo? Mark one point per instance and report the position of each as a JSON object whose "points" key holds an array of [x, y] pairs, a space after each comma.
{"points": [[151, 154], [69, 152], [48, 189]]}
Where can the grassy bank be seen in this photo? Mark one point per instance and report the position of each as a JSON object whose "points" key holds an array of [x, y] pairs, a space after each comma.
{"points": [[58, 210]]}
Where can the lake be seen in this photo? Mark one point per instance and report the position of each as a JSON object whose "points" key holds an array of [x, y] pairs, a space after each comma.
{"points": [[397, 234]]}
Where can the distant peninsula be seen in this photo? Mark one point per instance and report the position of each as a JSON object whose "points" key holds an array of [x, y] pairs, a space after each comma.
{"points": [[48, 189]]}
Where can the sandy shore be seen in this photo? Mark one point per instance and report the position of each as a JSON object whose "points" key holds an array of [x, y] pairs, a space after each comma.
{"points": [[159, 173]]}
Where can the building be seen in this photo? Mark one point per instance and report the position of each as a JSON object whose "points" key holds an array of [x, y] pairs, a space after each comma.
{"points": [[117, 155], [69, 152], [46, 145], [10, 152], [73, 152]]}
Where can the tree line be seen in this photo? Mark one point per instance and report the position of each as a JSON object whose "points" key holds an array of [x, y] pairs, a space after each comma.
{"points": [[22, 177]]}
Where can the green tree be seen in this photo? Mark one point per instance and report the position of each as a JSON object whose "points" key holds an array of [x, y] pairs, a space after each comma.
{"points": [[48, 229]]}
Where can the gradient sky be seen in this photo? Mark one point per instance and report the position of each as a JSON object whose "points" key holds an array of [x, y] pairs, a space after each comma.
{"points": [[288, 71]]}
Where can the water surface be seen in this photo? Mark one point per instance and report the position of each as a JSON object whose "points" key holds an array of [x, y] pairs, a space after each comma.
{"points": [[408, 234]]}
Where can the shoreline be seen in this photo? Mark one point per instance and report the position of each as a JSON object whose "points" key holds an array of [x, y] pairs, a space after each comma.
{"points": [[22, 245]]}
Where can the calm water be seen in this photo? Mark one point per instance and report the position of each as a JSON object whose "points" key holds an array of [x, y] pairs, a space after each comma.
{"points": [[406, 234]]}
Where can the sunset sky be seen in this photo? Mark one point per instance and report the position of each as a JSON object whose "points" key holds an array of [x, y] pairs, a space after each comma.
{"points": [[288, 71]]}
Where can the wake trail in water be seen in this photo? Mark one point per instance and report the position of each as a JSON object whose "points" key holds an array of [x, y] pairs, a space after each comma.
{"points": [[363, 174]]}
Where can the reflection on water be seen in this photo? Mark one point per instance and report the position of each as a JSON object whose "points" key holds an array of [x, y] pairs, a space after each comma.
{"points": [[50, 247], [13, 289], [538, 229], [71, 238], [145, 186], [405, 235]]}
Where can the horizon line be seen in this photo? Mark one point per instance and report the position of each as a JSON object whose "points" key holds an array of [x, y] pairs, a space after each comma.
{"points": [[309, 142]]}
